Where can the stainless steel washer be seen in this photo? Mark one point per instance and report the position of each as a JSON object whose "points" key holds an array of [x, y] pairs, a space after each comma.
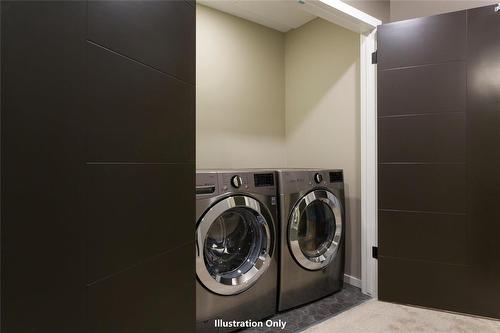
{"points": [[312, 228], [236, 264]]}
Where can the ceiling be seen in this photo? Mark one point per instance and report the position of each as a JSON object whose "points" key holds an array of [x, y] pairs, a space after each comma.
{"points": [[281, 15]]}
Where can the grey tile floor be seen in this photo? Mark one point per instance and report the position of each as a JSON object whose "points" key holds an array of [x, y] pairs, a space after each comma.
{"points": [[308, 315]]}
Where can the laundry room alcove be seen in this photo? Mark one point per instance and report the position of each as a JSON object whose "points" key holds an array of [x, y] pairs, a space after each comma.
{"points": [[279, 87]]}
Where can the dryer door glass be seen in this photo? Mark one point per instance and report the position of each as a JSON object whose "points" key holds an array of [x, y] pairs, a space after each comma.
{"points": [[315, 229], [234, 243]]}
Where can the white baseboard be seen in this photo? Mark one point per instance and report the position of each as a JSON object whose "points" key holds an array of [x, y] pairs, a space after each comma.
{"points": [[353, 281]]}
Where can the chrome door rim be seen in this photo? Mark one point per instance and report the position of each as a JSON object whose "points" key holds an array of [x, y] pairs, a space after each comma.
{"points": [[293, 226], [238, 284]]}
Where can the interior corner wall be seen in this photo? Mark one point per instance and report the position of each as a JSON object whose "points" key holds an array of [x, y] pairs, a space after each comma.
{"points": [[322, 96], [240, 103], [270, 99], [408, 9]]}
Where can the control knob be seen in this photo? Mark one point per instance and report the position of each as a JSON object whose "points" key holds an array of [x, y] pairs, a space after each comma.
{"points": [[318, 178], [236, 181]]}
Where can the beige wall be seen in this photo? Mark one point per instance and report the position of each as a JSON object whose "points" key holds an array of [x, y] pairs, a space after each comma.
{"points": [[322, 112], [268, 99], [240, 103], [406, 9]]}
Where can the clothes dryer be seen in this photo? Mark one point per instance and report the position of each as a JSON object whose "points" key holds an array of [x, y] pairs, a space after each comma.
{"points": [[312, 233]]}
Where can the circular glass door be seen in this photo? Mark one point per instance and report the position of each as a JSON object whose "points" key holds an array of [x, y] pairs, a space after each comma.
{"points": [[233, 245], [315, 229]]}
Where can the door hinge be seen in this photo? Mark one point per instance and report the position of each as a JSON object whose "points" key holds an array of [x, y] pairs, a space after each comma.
{"points": [[374, 57], [375, 252]]}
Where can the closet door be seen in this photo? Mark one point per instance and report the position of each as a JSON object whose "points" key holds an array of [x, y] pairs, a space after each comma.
{"points": [[421, 155], [439, 156], [97, 166]]}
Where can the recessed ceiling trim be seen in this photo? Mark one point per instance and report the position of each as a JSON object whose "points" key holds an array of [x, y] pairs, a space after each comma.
{"points": [[284, 15], [340, 13]]}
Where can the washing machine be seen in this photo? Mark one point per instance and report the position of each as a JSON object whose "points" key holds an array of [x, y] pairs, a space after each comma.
{"points": [[236, 260], [312, 234]]}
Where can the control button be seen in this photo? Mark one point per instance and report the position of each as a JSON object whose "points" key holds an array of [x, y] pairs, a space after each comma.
{"points": [[236, 181], [318, 178]]}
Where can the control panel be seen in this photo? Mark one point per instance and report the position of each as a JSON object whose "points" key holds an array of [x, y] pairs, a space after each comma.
{"points": [[294, 181], [244, 181], [212, 183]]}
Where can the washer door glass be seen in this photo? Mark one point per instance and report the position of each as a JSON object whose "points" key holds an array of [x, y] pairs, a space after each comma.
{"points": [[234, 242], [234, 245], [315, 229]]}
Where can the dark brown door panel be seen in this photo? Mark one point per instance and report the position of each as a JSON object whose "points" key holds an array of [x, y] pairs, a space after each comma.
{"points": [[155, 296], [433, 285], [424, 138], [435, 188], [137, 114], [483, 149], [426, 40], [424, 89], [423, 236], [439, 179], [160, 34], [42, 244], [485, 288], [484, 51], [483, 185], [136, 212], [43, 248], [65, 101]]}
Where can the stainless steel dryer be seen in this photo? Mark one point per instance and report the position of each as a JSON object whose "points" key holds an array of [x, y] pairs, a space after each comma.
{"points": [[312, 231], [236, 264]]}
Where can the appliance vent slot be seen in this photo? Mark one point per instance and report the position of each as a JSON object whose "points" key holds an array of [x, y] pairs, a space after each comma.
{"points": [[263, 179], [336, 177]]}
